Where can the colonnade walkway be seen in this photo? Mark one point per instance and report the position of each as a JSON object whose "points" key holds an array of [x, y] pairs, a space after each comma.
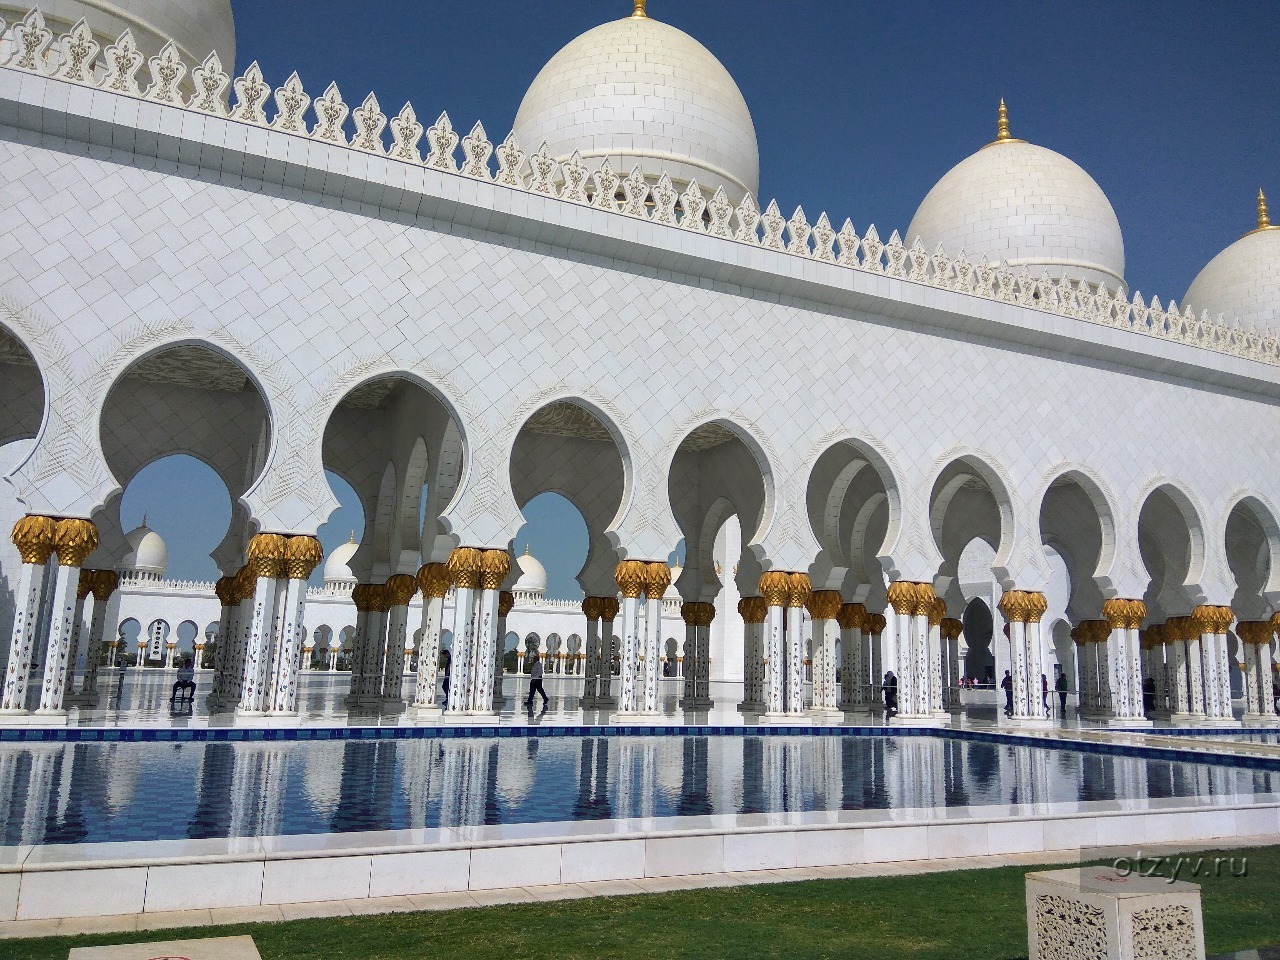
{"points": [[143, 700]]}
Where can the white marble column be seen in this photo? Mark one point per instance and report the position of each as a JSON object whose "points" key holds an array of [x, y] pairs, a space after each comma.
{"points": [[851, 619], [753, 611], [506, 600], [79, 635], [873, 642], [630, 576], [609, 652], [591, 611], [434, 580], [1255, 639], [494, 567], [797, 600], [33, 536], [775, 586], [657, 579], [401, 590], [824, 609], [266, 556], [302, 555], [689, 614], [104, 585], [73, 541], [951, 629], [464, 565]]}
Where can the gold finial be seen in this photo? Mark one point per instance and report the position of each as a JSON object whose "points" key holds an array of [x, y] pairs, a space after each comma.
{"points": [[353, 537], [1264, 220], [1002, 123], [526, 549], [638, 12], [144, 516]]}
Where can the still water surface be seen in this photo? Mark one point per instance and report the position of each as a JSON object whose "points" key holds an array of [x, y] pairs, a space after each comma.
{"points": [[91, 792]]}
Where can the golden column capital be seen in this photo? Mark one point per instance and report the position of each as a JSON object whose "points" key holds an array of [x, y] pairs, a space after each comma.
{"points": [[494, 567], [825, 604], [266, 555], [301, 556], [753, 609], [506, 600], [379, 598], [1014, 606], [799, 590], [591, 607], [105, 583], [951, 628], [464, 567], [1036, 606], [1122, 614], [400, 590], [1275, 622], [657, 577], [609, 608], [74, 540], [906, 597], [631, 576], [937, 611], [33, 536], [852, 616], [690, 614], [84, 584], [876, 623], [360, 597], [434, 580], [1254, 633], [775, 587], [245, 582], [225, 589], [1213, 619]]}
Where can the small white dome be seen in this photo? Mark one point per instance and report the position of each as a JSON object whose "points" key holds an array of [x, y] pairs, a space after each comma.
{"points": [[147, 552], [337, 569], [1027, 205], [197, 27], [532, 577], [643, 93], [1243, 282]]}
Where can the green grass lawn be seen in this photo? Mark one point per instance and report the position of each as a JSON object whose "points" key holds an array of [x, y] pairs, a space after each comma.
{"points": [[975, 914]]}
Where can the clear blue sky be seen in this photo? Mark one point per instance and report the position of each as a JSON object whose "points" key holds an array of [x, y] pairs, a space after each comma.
{"points": [[1171, 106]]}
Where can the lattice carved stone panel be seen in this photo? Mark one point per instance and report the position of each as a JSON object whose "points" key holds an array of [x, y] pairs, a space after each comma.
{"points": [[1167, 932], [1070, 930]]}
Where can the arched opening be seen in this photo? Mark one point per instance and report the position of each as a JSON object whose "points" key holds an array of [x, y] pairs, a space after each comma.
{"points": [[187, 506], [186, 399], [551, 549], [187, 632], [1252, 536], [720, 487], [571, 449], [346, 525], [400, 450], [980, 661], [969, 502], [1170, 541], [1076, 523], [852, 502]]}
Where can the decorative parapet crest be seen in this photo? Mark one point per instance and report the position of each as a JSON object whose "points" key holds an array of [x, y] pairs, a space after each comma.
{"points": [[30, 46]]}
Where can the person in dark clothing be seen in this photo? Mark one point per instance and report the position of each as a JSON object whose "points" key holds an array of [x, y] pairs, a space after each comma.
{"points": [[1061, 686], [1148, 695], [1007, 686], [890, 694], [535, 685], [447, 660]]}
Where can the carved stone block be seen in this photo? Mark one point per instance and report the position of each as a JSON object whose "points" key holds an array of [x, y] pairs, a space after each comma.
{"points": [[1093, 913]]}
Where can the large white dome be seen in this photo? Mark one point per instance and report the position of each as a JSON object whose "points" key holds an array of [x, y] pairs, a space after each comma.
{"points": [[643, 93], [147, 552], [1243, 282], [1027, 205], [337, 569], [195, 26], [532, 576]]}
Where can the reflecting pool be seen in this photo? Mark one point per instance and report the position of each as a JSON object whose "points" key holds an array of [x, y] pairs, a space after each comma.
{"points": [[91, 792]]}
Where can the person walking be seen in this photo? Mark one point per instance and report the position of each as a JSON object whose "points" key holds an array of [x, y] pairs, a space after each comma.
{"points": [[1061, 686], [447, 658], [1044, 693], [535, 685], [1007, 686], [890, 695]]}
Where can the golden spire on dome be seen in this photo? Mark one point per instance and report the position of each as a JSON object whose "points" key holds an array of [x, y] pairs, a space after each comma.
{"points": [[353, 537], [638, 13], [1264, 219], [1002, 127]]}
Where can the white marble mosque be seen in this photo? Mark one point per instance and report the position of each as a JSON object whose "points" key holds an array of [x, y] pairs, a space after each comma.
{"points": [[282, 281]]}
